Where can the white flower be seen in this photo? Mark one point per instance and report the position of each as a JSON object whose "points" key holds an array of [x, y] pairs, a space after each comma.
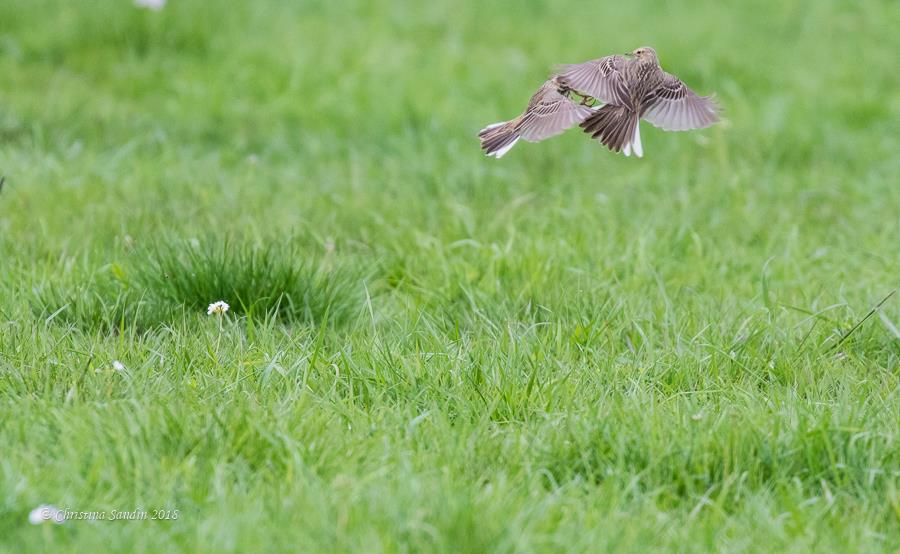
{"points": [[44, 513], [154, 5], [219, 308], [118, 366]]}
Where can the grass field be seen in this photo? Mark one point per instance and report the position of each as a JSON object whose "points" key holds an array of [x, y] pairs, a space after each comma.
{"points": [[429, 350]]}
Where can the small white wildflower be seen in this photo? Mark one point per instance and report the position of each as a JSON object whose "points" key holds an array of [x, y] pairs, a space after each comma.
{"points": [[118, 366], [44, 513], [253, 159], [154, 5], [218, 308]]}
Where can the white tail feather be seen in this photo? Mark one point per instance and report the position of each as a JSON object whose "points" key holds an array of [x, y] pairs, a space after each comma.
{"points": [[636, 141], [499, 153], [491, 126], [633, 146]]}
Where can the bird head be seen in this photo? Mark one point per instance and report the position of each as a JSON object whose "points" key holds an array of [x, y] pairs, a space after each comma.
{"points": [[645, 54]]}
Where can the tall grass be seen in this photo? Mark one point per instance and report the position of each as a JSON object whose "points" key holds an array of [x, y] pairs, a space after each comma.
{"points": [[174, 278]]}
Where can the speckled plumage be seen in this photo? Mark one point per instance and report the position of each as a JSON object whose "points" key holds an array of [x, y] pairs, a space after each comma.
{"points": [[631, 88], [550, 112]]}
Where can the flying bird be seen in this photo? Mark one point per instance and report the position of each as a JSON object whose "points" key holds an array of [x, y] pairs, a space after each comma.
{"points": [[630, 87], [550, 112]]}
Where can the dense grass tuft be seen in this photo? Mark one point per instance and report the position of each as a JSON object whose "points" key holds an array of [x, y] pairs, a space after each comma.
{"points": [[277, 280], [174, 278]]}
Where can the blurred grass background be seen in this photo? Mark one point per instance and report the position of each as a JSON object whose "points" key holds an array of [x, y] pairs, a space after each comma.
{"points": [[561, 350]]}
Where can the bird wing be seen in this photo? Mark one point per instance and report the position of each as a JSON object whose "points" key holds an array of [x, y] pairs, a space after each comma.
{"points": [[550, 113], [600, 78], [675, 107]]}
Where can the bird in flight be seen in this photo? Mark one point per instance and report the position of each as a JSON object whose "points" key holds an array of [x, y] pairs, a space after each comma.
{"points": [[630, 87]]}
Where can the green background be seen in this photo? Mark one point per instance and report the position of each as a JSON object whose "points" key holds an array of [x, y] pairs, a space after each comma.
{"points": [[430, 350]]}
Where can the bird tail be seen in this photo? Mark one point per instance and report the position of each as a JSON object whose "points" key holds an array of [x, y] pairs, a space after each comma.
{"points": [[617, 128], [498, 138]]}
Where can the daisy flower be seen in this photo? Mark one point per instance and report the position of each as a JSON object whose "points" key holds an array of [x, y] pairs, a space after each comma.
{"points": [[218, 308]]}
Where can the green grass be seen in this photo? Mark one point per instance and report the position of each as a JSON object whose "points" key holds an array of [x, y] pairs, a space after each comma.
{"points": [[428, 350], [163, 283]]}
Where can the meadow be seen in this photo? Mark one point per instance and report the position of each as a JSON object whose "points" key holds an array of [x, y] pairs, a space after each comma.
{"points": [[428, 350]]}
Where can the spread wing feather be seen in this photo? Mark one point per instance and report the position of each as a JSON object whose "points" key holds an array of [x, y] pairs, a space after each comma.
{"points": [[550, 113], [675, 107], [600, 78]]}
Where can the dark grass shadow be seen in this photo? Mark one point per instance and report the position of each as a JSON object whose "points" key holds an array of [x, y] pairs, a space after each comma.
{"points": [[174, 279]]}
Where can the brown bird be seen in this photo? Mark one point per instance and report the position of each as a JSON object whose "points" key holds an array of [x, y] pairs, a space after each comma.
{"points": [[550, 112], [634, 87], [631, 87]]}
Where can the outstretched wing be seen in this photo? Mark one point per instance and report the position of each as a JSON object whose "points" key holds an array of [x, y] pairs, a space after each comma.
{"points": [[600, 78], [550, 113], [675, 107]]}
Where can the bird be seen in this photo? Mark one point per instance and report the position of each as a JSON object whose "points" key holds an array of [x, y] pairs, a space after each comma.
{"points": [[635, 87], [550, 111], [629, 87]]}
